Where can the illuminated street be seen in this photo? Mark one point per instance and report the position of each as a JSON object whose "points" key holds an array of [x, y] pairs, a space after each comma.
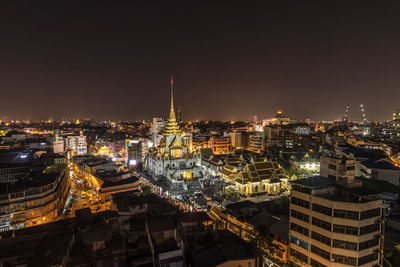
{"points": [[81, 195]]}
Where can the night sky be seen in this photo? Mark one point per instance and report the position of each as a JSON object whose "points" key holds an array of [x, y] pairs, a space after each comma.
{"points": [[113, 59]]}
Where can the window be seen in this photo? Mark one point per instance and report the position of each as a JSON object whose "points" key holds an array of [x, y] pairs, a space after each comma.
{"points": [[369, 244], [322, 224], [344, 259], [322, 209], [370, 213], [368, 258], [369, 229], [17, 195], [299, 256], [351, 215], [344, 245], [300, 216], [343, 229], [332, 166], [320, 252], [321, 238], [299, 229], [301, 203], [299, 242], [315, 263], [350, 168], [301, 189]]}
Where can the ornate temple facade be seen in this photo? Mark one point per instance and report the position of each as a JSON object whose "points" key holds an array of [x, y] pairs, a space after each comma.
{"points": [[259, 177], [173, 161]]}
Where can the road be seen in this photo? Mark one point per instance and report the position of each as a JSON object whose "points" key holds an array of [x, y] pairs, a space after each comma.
{"points": [[81, 195]]}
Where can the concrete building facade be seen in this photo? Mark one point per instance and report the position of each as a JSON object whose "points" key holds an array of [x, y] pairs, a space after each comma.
{"points": [[334, 220]]}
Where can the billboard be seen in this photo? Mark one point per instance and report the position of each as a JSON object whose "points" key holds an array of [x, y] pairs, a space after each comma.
{"points": [[58, 147]]}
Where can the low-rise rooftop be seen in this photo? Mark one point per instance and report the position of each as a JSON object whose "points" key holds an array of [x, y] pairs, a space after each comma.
{"points": [[227, 248], [33, 180], [315, 182], [341, 193], [110, 183]]}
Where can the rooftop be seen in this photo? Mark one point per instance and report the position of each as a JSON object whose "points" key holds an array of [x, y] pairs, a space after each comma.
{"points": [[228, 247], [97, 162], [281, 228], [125, 181], [380, 185], [341, 193], [15, 158], [34, 180], [161, 223], [382, 163], [361, 153], [125, 200], [241, 205], [359, 190], [315, 182]]}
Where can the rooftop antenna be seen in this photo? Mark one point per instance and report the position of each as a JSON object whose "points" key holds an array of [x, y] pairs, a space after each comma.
{"points": [[364, 116], [346, 113]]}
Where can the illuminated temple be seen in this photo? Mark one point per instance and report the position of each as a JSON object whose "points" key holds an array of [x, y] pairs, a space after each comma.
{"points": [[173, 161]]}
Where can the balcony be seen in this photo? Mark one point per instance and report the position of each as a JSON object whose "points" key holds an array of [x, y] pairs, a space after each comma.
{"points": [[17, 220]]}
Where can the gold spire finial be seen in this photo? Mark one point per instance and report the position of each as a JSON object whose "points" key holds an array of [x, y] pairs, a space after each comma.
{"points": [[172, 112]]}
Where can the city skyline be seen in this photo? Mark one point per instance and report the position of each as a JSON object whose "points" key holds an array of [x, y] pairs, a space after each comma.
{"points": [[200, 133], [113, 62]]}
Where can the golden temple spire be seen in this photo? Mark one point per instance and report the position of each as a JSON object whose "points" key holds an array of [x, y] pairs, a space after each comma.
{"points": [[172, 112], [172, 127]]}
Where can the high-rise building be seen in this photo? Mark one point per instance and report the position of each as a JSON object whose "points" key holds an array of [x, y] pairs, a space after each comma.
{"points": [[271, 132], [256, 142], [179, 114], [395, 124], [77, 144], [334, 220], [239, 139], [35, 199], [134, 151], [396, 114], [220, 145], [156, 129], [235, 139], [187, 139], [302, 130], [58, 143], [137, 150], [58, 147]]}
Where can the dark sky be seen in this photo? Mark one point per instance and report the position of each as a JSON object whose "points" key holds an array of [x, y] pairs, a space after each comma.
{"points": [[113, 59]]}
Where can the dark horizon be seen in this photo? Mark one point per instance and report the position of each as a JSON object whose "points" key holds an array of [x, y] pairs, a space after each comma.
{"points": [[113, 60]]}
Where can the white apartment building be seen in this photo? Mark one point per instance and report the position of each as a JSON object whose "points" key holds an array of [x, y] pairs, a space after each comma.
{"points": [[334, 220]]}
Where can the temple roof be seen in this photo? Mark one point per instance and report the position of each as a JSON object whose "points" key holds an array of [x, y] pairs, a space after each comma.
{"points": [[261, 170]]}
